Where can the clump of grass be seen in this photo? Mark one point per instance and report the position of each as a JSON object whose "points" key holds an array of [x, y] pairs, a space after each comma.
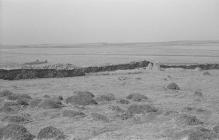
{"points": [[198, 93], [124, 116], [50, 104], [15, 132], [107, 97], [185, 119], [73, 114], [122, 78], [19, 96], [137, 97], [117, 109], [17, 119], [84, 93], [197, 133], [10, 107], [50, 133], [173, 86], [206, 73], [46, 96], [100, 117], [23, 102], [82, 98], [123, 101], [141, 109], [35, 102], [5, 93], [216, 129], [136, 110]]}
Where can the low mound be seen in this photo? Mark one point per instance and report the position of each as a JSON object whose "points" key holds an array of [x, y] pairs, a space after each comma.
{"points": [[123, 101], [12, 97], [10, 107], [73, 114], [206, 73], [108, 97], [100, 117], [19, 96], [198, 133], [50, 104], [60, 98], [116, 109], [173, 86], [17, 119], [81, 99], [137, 97], [141, 109], [57, 98], [23, 102], [122, 78], [11, 103], [35, 102], [198, 93], [84, 93], [50, 133], [185, 119], [216, 129], [46, 96], [5, 93], [188, 109], [15, 132], [124, 115]]}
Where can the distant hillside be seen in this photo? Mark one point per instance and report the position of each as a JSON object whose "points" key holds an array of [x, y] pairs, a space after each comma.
{"points": [[168, 43]]}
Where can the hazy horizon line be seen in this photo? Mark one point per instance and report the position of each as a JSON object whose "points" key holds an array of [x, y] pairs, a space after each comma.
{"points": [[111, 43]]}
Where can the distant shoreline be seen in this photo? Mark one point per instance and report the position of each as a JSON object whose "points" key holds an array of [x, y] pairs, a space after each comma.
{"points": [[69, 45]]}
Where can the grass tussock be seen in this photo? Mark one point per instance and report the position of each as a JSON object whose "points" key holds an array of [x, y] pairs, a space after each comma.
{"points": [[5, 93], [82, 98], [107, 98], [10, 107], [206, 73], [73, 114], [123, 101], [197, 133], [141, 109], [50, 104], [100, 117], [35, 102], [173, 86], [216, 129], [137, 97], [17, 119], [50, 133], [15, 132], [185, 119]]}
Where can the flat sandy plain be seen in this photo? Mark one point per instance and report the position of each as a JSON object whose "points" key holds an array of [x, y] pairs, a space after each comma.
{"points": [[165, 124]]}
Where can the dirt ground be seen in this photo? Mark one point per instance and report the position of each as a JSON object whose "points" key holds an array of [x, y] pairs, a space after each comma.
{"points": [[160, 125]]}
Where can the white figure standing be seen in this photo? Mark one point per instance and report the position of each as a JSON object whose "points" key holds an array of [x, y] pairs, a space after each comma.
{"points": [[156, 66]]}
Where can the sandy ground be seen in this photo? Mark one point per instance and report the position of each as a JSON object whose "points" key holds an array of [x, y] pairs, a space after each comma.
{"points": [[161, 125]]}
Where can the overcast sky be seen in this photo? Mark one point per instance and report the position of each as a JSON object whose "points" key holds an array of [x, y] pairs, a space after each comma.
{"points": [[83, 21]]}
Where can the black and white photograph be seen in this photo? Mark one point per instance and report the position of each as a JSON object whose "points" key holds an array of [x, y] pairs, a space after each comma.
{"points": [[109, 69]]}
